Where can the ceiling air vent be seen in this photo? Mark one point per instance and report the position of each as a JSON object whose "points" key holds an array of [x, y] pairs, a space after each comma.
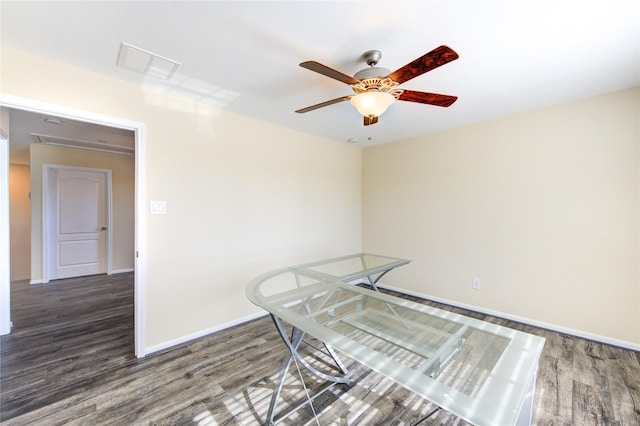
{"points": [[145, 62]]}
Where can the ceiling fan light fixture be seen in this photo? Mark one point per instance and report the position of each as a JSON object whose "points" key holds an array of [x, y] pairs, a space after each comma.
{"points": [[372, 103]]}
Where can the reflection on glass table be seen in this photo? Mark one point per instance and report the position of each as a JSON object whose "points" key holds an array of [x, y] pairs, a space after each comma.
{"points": [[481, 372], [352, 267]]}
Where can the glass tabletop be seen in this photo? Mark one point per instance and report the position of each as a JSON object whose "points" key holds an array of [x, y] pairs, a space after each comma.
{"points": [[351, 267], [477, 370]]}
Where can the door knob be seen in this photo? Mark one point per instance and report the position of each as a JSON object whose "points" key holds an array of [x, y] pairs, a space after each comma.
{"points": [[103, 228]]}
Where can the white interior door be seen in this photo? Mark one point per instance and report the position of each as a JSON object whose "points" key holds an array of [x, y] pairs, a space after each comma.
{"points": [[77, 218]]}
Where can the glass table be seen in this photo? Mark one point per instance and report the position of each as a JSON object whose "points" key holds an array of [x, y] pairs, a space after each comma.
{"points": [[481, 372]]}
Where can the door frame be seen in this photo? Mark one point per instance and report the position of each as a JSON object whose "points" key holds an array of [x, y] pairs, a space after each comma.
{"points": [[46, 204], [139, 129], [5, 250]]}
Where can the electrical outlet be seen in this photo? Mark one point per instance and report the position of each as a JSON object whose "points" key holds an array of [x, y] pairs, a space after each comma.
{"points": [[475, 283]]}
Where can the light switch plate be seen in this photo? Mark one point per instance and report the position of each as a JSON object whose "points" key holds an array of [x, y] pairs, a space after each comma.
{"points": [[158, 207]]}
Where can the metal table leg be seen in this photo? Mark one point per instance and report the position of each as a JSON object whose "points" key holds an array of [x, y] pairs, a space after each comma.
{"points": [[374, 282], [293, 343]]}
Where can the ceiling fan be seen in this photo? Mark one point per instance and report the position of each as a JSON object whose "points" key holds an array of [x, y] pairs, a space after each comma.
{"points": [[376, 87]]}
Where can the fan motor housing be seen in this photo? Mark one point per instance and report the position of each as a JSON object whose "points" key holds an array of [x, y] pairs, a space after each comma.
{"points": [[372, 73]]}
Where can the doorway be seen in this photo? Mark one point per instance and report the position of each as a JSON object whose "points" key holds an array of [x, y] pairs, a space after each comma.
{"points": [[139, 130]]}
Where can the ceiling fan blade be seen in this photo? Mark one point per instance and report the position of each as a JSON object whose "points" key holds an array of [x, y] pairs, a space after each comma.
{"points": [[427, 98], [329, 72], [373, 119], [437, 57], [324, 104]]}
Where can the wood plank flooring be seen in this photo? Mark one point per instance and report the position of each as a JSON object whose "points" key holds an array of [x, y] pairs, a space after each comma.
{"points": [[70, 360]]}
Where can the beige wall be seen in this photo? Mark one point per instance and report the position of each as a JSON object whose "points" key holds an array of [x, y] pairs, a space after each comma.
{"points": [[542, 207], [122, 175], [243, 196], [18, 211], [20, 222]]}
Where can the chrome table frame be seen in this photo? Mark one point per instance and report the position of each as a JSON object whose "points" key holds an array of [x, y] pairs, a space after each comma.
{"points": [[312, 303]]}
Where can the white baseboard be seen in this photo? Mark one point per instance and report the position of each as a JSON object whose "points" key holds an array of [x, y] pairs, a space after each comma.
{"points": [[115, 271], [185, 339], [552, 327]]}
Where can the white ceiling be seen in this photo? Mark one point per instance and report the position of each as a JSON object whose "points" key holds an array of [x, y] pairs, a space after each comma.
{"points": [[243, 56]]}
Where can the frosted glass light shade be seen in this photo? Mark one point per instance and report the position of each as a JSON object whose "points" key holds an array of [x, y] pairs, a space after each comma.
{"points": [[372, 103]]}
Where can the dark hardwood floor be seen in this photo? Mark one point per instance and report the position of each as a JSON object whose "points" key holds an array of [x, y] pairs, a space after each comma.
{"points": [[69, 360]]}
